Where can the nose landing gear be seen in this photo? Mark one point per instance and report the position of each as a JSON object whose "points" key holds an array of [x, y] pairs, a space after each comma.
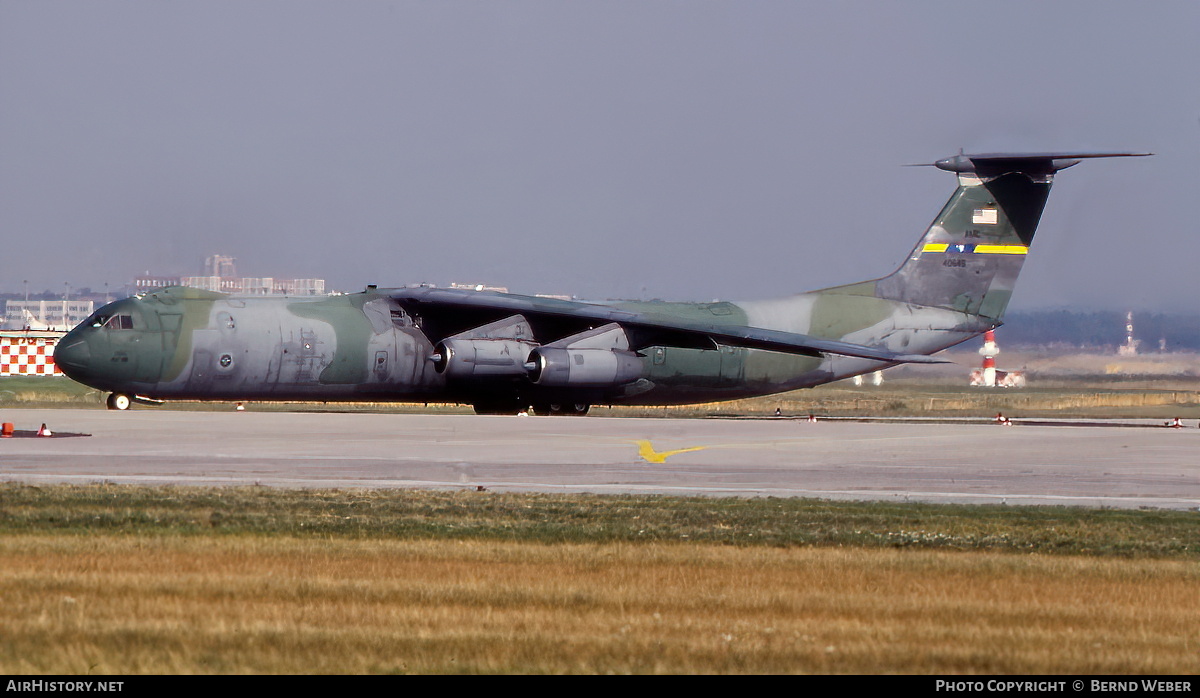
{"points": [[122, 401]]}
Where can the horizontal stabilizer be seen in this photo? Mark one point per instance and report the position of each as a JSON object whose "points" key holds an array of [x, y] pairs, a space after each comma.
{"points": [[992, 164]]}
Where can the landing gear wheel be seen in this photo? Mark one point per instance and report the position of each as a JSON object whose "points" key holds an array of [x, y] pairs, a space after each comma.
{"points": [[119, 401], [571, 410]]}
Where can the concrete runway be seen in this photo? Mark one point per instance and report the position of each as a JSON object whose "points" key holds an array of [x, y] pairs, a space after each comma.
{"points": [[1132, 466]]}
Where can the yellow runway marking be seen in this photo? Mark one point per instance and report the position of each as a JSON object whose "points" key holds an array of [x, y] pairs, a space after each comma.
{"points": [[648, 454]]}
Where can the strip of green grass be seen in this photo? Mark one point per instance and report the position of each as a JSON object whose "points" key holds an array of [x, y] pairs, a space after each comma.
{"points": [[1095, 397], [47, 391], [552, 518]]}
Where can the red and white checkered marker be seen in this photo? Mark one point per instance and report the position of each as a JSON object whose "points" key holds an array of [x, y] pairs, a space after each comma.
{"points": [[28, 356]]}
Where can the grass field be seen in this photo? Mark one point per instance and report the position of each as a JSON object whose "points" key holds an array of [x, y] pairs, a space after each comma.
{"points": [[104, 579]]}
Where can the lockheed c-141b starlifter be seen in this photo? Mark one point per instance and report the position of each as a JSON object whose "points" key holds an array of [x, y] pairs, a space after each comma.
{"points": [[504, 353]]}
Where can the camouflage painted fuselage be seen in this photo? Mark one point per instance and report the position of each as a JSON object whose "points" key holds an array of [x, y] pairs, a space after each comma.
{"points": [[502, 350], [197, 345]]}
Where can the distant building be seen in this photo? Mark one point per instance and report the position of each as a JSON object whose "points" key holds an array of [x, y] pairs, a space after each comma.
{"points": [[148, 281], [59, 315], [220, 265], [220, 275], [262, 286]]}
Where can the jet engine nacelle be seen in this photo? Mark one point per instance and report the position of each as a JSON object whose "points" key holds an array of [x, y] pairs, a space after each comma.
{"points": [[481, 358], [554, 367]]}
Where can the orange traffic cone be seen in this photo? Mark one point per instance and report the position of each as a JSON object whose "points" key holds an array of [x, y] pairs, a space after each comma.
{"points": [[45, 430]]}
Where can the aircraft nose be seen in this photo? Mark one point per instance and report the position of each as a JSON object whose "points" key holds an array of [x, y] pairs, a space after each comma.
{"points": [[72, 355]]}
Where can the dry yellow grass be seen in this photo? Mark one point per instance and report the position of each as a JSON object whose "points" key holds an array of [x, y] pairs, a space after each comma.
{"points": [[243, 604]]}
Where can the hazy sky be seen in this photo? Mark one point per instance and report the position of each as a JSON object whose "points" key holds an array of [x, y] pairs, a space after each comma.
{"points": [[681, 150]]}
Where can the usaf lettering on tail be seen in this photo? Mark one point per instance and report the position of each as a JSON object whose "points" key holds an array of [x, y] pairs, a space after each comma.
{"points": [[505, 353]]}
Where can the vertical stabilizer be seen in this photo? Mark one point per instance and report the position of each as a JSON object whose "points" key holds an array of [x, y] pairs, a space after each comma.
{"points": [[969, 258]]}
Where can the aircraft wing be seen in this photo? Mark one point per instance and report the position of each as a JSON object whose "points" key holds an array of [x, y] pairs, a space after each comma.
{"points": [[444, 312]]}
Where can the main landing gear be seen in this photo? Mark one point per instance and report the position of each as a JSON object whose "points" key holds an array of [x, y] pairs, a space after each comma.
{"points": [[119, 401], [510, 408], [572, 410]]}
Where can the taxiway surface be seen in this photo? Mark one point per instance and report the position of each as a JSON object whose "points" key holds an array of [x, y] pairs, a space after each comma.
{"points": [[1135, 466]]}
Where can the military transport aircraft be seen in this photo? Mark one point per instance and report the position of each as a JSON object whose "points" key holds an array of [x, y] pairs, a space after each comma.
{"points": [[504, 353]]}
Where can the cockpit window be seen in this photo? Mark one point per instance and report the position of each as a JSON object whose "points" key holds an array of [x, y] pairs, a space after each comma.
{"points": [[120, 322]]}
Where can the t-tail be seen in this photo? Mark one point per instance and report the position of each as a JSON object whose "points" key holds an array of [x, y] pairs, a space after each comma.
{"points": [[969, 258]]}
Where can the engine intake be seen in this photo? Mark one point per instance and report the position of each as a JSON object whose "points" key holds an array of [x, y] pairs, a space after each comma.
{"points": [[481, 358]]}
